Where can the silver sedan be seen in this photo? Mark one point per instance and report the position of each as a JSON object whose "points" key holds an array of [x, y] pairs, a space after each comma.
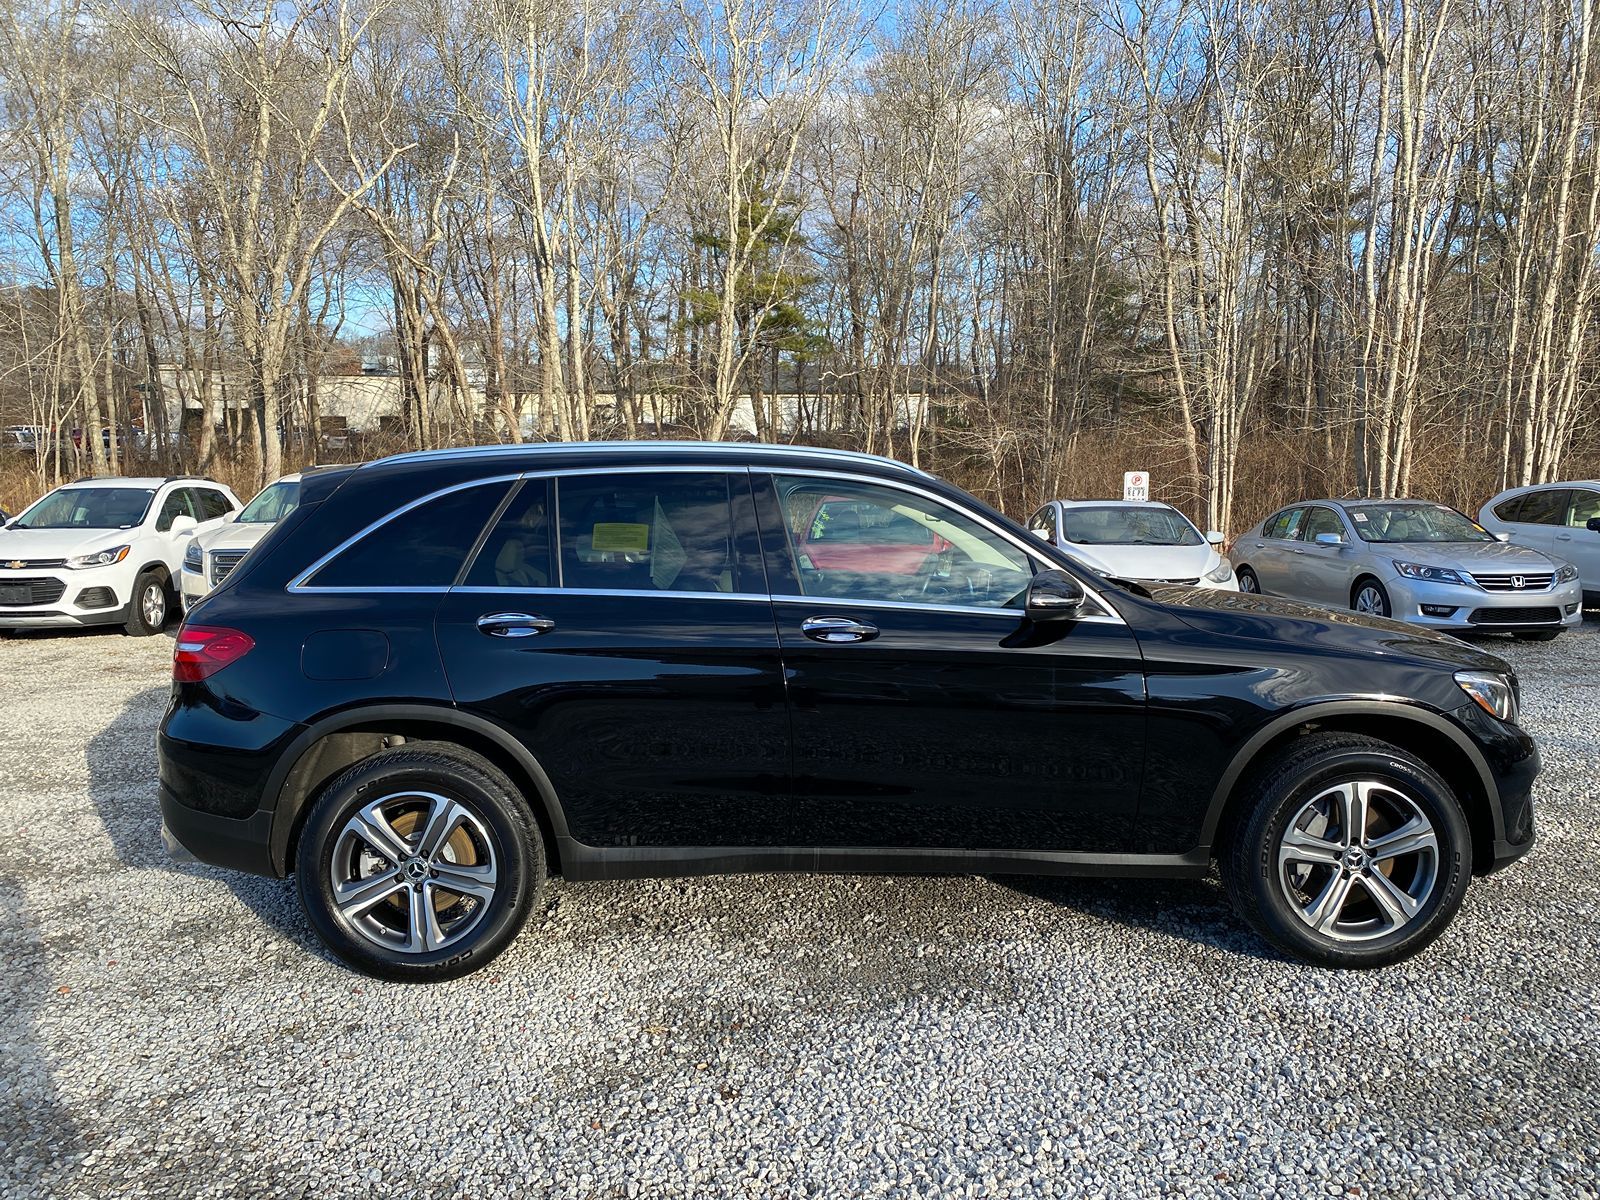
{"points": [[1414, 560]]}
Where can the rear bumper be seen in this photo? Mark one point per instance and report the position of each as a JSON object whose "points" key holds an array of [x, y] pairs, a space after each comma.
{"points": [[238, 844]]}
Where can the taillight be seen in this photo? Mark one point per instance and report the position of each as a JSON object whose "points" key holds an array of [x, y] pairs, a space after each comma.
{"points": [[203, 650]]}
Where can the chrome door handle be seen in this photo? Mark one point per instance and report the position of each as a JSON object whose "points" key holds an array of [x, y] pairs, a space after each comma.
{"points": [[1563, 537], [1261, 545], [1299, 551], [516, 625], [837, 629]]}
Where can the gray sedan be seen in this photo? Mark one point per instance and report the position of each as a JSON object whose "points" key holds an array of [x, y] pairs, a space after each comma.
{"points": [[1411, 559]]}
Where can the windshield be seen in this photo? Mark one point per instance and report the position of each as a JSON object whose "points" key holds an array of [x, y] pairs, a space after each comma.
{"points": [[1414, 523], [88, 508], [275, 502], [1118, 525]]}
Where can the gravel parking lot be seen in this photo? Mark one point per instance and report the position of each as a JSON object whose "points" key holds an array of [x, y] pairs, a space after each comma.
{"points": [[173, 1030]]}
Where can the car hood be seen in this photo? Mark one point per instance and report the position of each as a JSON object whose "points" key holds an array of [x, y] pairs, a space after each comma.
{"points": [[1466, 556], [1147, 562], [1269, 618], [232, 535], [31, 544]]}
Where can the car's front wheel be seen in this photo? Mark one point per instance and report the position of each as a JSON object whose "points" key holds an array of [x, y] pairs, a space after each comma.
{"points": [[419, 863], [151, 602], [1248, 581], [1348, 852]]}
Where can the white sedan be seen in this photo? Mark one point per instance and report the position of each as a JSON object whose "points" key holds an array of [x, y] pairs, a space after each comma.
{"points": [[1135, 540]]}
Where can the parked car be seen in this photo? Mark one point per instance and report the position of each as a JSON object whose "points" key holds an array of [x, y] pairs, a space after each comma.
{"points": [[447, 674], [104, 551], [1559, 519], [211, 555], [1422, 562], [1143, 540]]}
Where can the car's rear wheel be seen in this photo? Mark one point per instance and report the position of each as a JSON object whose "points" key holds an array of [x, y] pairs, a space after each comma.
{"points": [[419, 863], [150, 604], [1348, 852], [1248, 581], [1370, 597]]}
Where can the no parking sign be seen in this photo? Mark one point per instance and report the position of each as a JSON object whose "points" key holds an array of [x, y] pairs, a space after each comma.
{"points": [[1136, 485]]}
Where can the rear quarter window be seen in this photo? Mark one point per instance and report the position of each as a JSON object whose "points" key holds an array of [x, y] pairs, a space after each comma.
{"points": [[422, 546]]}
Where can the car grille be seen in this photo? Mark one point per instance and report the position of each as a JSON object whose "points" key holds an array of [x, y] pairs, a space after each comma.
{"points": [[223, 562], [20, 593], [1532, 582], [33, 564], [1515, 616]]}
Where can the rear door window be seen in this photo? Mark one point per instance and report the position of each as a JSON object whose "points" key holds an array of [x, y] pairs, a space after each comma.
{"points": [[519, 551], [424, 546], [1585, 507], [1285, 525], [1547, 507], [669, 532]]}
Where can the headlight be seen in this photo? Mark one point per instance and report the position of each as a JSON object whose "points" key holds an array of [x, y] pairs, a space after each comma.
{"points": [[100, 558], [194, 558], [1429, 574], [1566, 573], [1221, 573], [1495, 693]]}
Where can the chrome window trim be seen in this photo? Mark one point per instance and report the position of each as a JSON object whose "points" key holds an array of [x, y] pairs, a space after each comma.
{"points": [[301, 585], [483, 590]]}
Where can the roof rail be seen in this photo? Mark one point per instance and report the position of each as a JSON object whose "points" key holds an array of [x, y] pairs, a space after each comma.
{"points": [[676, 446]]}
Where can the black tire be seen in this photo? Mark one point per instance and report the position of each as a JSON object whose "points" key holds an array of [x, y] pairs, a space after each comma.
{"points": [[1537, 635], [151, 590], [1248, 581], [507, 828], [1380, 597], [1281, 789]]}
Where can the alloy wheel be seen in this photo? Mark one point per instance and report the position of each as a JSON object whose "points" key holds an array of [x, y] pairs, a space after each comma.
{"points": [[153, 605], [413, 872], [1371, 601], [1247, 582], [1359, 860]]}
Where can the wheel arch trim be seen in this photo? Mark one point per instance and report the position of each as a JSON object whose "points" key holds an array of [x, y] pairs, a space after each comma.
{"points": [[287, 806], [1250, 751]]}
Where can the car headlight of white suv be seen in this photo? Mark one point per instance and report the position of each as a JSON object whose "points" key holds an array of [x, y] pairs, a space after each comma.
{"points": [[1220, 573], [194, 558], [100, 558]]}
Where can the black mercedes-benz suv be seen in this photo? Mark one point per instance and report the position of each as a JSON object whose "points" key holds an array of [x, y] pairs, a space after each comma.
{"points": [[449, 673]]}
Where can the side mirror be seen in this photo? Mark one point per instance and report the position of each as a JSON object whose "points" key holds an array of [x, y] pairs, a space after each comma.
{"points": [[182, 525], [1502, 537], [1214, 536], [1330, 539], [1044, 533], [1594, 525], [1054, 596]]}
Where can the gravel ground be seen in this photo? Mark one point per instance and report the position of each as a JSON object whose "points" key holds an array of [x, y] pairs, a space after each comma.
{"points": [[174, 1031]]}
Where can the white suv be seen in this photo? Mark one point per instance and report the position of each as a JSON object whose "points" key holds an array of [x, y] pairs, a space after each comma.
{"points": [[104, 552], [211, 556]]}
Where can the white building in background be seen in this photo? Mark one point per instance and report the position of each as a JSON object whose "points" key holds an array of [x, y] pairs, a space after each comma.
{"points": [[361, 403]]}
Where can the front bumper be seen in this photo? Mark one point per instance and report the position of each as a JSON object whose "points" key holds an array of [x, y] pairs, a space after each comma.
{"points": [[1457, 608], [192, 588], [65, 599]]}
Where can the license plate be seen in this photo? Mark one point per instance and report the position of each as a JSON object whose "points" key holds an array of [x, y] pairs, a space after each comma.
{"points": [[15, 593]]}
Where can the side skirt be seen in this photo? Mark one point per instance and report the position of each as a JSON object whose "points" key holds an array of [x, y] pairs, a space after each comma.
{"points": [[581, 862]]}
